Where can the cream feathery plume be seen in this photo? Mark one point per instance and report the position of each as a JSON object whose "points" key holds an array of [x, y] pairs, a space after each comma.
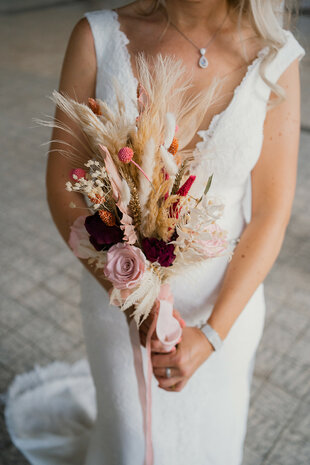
{"points": [[111, 129], [143, 297], [167, 83], [74, 155], [167, 158], [81, 114], [169, 129], [190, 111], [125, 192]]}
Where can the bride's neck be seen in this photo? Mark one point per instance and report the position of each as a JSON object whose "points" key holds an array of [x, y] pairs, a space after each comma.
{"points": [[189, 14]]}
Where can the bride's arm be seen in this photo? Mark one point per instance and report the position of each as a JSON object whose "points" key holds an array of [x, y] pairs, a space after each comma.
{"points": [[273, 188], [77, 80]]}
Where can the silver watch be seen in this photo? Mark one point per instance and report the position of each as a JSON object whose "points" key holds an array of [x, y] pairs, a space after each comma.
{"points": [[212, 336]]}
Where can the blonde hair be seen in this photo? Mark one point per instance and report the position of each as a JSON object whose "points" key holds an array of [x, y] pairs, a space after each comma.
{"points": [[267, 18]]}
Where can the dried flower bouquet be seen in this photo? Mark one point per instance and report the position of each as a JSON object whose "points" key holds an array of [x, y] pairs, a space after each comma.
{"points": [[144, 226]]}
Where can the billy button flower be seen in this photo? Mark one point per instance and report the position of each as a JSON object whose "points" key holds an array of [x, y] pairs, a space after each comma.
{"points": [[125, 155], [77, 173]]}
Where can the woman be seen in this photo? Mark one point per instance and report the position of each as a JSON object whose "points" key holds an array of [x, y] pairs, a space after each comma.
{"points": [[200, 395]]}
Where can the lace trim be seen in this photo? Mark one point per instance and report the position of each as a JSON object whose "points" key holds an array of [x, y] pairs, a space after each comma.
{"points": [[124, 41]]}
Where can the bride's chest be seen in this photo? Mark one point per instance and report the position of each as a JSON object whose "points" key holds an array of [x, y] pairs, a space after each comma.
{"points": [[229, 139]]}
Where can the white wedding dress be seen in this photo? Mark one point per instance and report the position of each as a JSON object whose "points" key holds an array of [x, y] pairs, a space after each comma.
{"points": [[89, 413]]}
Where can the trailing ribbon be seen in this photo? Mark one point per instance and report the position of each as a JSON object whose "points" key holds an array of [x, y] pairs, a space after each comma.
{"points": [[169, 332]]}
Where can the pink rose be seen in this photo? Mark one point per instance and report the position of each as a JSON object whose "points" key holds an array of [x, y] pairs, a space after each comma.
{"points": [[125, 265], [217, 244]]}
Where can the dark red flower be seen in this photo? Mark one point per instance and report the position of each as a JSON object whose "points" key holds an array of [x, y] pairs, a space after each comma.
{"points": [[157, 250], [101, 235]]}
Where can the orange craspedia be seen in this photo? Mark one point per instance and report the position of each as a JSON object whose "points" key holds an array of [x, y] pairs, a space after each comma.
{"points": [[174, 146], [94, 106], [107, 217]]}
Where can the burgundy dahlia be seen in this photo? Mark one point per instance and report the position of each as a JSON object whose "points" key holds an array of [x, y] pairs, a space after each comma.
{"points": [[101, 235], [157, 250]]}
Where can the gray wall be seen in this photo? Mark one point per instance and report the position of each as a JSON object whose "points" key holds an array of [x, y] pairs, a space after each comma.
{"points": [[13, 6]]}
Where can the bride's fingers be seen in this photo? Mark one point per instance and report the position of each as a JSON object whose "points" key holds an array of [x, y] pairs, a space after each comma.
{"points": [[161, 372], [176, 387], [167, 383], [156, 345]]}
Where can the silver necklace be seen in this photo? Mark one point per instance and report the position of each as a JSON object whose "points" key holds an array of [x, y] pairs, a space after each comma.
{"points": [[203, 61]]}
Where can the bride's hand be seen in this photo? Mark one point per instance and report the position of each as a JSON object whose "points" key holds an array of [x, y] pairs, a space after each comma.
{"points": [[191, 352]]}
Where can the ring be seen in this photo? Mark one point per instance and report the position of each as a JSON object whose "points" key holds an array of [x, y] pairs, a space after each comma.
{"points": [[168, 372]]}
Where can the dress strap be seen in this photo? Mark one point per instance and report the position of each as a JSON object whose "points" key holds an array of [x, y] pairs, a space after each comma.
{"points": [[102, 24], [113, 60], [289, 52]]}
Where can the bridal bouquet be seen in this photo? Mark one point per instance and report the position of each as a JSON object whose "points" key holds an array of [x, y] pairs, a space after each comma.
{"points": [[145, 224]]}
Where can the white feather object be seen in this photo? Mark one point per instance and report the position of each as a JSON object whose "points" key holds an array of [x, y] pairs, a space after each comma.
{"points": [[169, 129], [170, 165], [144, 296], [125, 193]]}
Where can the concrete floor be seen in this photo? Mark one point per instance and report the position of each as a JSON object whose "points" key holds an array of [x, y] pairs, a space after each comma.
{"points": [[39, 282]]}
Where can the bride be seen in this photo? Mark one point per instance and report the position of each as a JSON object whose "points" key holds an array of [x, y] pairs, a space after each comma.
{"points": [[200, 390]]}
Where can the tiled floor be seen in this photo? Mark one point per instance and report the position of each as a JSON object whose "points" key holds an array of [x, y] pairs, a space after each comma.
{"points": [[39, 281]]}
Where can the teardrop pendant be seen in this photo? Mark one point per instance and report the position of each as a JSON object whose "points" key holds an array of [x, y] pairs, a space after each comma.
{"points": [[203, 62]]}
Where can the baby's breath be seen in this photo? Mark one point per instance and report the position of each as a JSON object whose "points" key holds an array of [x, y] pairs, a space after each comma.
{"points": [[96, 185]]}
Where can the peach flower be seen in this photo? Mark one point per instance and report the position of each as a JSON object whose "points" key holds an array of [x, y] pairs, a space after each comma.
{"points": [[217, 244]]}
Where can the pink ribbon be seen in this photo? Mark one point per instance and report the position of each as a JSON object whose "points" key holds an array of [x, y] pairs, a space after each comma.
{"points": [[169, 332]]}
